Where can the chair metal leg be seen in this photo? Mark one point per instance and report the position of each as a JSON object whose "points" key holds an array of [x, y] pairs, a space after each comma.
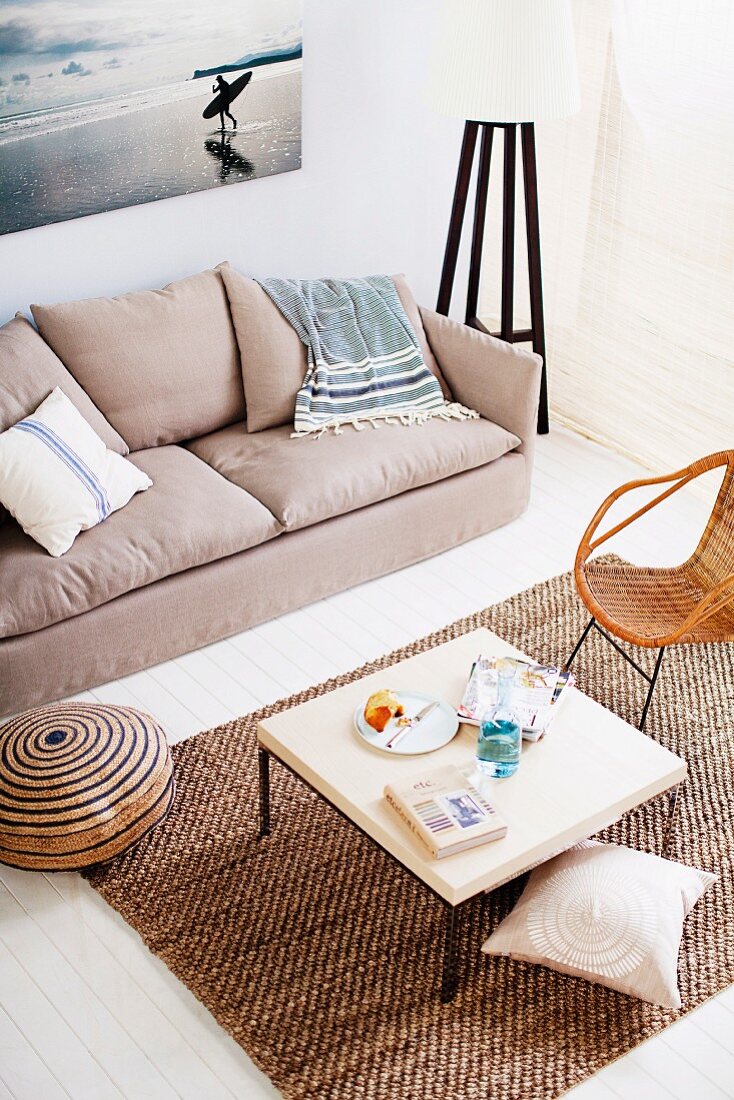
{"points": [[653, 680], [580, 642]]}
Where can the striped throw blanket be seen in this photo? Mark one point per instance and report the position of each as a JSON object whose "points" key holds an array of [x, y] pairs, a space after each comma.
{"points": [[364, 361]]}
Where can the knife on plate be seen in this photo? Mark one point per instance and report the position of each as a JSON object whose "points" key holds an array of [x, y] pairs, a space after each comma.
{"points": [[397, 737]]}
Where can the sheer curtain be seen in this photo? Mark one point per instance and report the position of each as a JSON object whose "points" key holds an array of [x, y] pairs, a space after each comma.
{"points": [[637, 224]]}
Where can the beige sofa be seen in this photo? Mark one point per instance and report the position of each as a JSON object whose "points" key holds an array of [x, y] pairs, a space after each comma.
{"points": [[240, 525]]}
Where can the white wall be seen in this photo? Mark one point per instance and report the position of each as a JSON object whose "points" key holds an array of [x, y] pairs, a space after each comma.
{"points": [[373, 195]]}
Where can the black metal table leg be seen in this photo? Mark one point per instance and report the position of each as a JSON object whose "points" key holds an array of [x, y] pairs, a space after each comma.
{"points": [[450, 972], [264, 773], [667, 834]]}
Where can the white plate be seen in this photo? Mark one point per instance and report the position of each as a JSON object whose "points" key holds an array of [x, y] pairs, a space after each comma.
{"points": [[431, 733]]}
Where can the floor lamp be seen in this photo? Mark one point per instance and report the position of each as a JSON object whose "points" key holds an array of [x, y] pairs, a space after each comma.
{"points": [[503, 64]]}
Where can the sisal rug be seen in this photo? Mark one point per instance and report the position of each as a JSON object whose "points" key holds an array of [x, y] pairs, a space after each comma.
{"points": [[320, 955]]}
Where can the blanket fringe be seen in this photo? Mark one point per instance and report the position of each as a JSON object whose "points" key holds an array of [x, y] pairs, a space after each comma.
{"points": [[450, 410]]}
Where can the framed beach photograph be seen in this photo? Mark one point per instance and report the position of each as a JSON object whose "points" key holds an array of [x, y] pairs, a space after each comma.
{"points": [[105, 105]]}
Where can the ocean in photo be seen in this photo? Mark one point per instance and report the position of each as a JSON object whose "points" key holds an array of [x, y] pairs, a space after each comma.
{"points": [[70, 161]]}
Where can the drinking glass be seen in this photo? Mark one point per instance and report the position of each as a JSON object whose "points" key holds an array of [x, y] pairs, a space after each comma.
{"points": [[500, 735]]}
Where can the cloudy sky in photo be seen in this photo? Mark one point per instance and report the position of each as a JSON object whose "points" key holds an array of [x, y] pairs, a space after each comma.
{"points": [[54, 52]]}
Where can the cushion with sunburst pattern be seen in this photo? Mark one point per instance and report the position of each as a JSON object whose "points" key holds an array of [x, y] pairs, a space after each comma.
{"points": [[80, 784], [608, 914]]}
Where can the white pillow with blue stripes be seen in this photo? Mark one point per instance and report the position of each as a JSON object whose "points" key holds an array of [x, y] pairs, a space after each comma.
{"points": [[58, 478]]}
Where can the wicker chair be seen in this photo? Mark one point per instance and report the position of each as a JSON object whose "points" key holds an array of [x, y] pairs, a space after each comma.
{"points": [[656, 608]]}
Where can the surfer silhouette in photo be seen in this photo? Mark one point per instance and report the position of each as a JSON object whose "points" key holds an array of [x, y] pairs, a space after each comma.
{"points": [[226, 93], [223, 89]]}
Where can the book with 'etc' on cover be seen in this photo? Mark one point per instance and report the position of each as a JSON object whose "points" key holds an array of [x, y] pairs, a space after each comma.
{"points": [[445, 811]]}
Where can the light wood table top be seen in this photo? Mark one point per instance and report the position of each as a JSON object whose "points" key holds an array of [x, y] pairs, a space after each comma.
{"points": [[589, 770]]}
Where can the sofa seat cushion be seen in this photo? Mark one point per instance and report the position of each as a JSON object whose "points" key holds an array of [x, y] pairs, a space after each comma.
{"points": [[304, 481], [190, 516], [162, 365]]}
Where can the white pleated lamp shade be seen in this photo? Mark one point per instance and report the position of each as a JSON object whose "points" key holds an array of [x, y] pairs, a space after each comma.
{"points": [[505, 61]]}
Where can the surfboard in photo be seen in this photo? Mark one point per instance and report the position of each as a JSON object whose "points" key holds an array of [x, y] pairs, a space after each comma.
{"points": [[221, 102]]}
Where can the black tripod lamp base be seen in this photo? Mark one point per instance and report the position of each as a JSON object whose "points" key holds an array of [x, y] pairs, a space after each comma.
{"points": [[536, 333]]}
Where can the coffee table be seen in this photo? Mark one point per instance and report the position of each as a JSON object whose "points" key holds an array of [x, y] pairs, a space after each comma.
{"points": [[587, 772]]}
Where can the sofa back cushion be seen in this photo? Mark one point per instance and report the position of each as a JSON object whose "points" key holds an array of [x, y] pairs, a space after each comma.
{"points": [[274, 360], [29, 371], [163, 365]]}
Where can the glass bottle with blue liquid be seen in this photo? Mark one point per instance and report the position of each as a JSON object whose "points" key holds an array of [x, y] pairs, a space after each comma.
{"points": [[500, 735]]}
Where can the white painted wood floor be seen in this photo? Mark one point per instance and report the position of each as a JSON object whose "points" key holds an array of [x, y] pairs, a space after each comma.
{"points": [[86, 1012]]}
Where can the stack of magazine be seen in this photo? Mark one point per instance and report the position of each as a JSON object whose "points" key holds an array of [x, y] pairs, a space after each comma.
{"points": [[539, 690]]}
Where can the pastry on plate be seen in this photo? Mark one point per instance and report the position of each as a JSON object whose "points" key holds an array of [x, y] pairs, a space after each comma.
{"points": [[380, 708]]}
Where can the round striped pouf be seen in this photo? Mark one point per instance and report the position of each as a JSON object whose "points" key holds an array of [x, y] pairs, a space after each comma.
{"points": [[80, 784]]}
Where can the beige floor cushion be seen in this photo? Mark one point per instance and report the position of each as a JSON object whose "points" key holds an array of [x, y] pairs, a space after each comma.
{"points": [[608, 914], [274, 359], [80, 784], [188, 517], [304, 481], [162, 365]]}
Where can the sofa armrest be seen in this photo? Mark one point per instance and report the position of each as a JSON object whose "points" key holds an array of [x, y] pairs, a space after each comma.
{"points": [[500, 381]]}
